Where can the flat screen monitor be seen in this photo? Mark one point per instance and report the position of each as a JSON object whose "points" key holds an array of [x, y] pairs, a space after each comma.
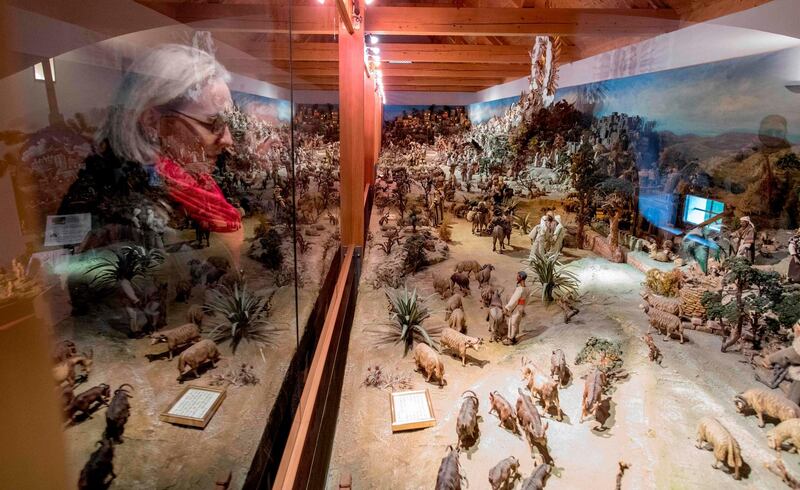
{"points": [[698, 209]]}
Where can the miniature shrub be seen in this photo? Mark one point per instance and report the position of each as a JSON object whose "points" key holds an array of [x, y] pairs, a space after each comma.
{"points": [[664, 283], [603, 353], [271, 255]]}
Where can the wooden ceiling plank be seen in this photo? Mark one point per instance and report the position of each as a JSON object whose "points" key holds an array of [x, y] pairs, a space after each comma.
{"points": [[520, 22], [400, 52], [426, 21]]}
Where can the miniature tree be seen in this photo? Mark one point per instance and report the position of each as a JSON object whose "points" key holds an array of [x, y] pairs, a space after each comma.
{"points": [[616, 195], [401, 189], [446, 229], [746, 305], [584, 173], [414, 250]]}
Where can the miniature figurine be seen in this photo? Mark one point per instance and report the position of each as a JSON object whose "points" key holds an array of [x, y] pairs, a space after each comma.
{"points": [[542, 386], [515, 309], [458, 343], [484, 275], [530, 421], [794, 261], [89, 400], [197, 355], [96, 472], [766, 402], [117, 414], [503, 474], [666, 323], [787, 431], [543, 235], [744, 239], [559, 370], [457, 321], [428, 363], [449, 475], [654, 353], [467, 422], [496, 317], [176, 337], [726, 449], [505, 413], [593, 388]]}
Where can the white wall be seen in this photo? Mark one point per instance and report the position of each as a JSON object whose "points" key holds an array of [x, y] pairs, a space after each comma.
{"points": [[769, 27]]}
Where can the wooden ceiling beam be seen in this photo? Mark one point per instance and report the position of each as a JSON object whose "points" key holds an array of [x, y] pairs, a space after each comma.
{"points": [[393, 80], [444, 21], [425, 21], [403, 52], [388, 70], [442, 88], [461, 53]]}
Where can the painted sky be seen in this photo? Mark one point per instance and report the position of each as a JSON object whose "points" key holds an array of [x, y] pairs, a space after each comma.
{"points": [[483, 111], [267, 109], [705, 100]]}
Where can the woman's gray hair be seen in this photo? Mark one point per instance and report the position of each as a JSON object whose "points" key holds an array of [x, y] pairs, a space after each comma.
{"points": [[167, 76]]}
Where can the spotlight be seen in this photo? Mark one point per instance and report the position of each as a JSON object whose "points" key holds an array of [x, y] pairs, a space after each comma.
{"points": [[374, 50], [368, 2], [373, 39], [321, 1]]}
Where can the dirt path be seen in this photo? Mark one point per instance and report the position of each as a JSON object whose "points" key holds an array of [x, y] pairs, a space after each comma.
{"points": [[653, 414]]}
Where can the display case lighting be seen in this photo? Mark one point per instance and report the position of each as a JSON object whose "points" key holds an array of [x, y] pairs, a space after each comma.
{"points": [[38, 71]]}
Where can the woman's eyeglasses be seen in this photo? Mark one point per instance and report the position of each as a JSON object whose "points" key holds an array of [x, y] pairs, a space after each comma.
{"points": [[215, 125]]}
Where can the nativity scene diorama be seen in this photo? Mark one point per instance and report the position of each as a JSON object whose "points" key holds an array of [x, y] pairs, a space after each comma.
{"points": [[535, 282], [543, 270]]}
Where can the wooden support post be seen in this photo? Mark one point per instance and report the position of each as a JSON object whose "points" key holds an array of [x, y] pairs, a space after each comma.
{"points": [[369, 129], [378, 128], [351, 134]]}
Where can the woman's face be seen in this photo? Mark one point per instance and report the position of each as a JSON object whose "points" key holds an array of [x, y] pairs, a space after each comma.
{"points": [[195, 134]]}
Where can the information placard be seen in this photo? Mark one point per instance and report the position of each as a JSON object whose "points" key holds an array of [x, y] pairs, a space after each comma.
{"points": [[194, 406], [67, 229], [411, 410]]}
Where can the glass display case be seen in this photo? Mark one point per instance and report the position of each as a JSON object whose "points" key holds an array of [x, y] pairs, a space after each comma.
{"points": [[170, 208]]}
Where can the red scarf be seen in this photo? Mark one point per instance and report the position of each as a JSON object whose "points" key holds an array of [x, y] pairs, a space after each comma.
{"points": [[200, 197]]}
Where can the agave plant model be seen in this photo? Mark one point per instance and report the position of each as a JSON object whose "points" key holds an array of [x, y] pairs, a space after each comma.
{"points": [[552, 276], [241, 315], [408, 313], [127, 264], [524, 223]]}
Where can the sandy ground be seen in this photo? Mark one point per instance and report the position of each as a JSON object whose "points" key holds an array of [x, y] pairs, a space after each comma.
{"points": [[654, 412], [158, 455]]}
